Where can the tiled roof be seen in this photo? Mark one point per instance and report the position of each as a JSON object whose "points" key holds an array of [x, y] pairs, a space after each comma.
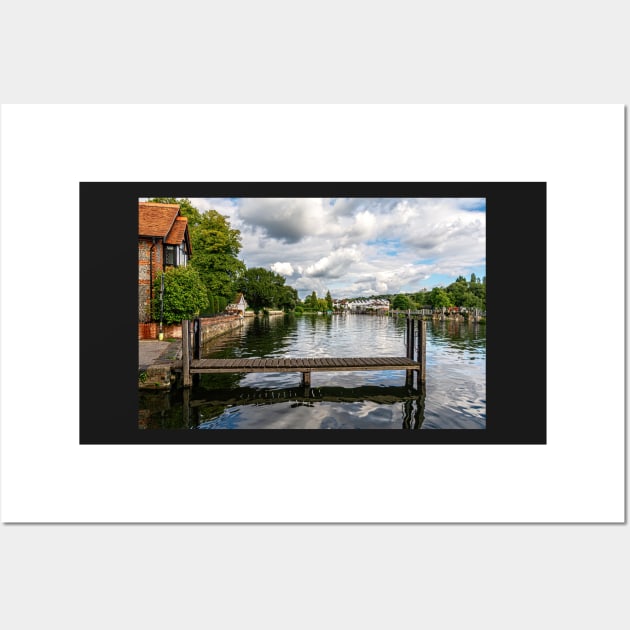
{"points": [[156, 219], [178, 232]]}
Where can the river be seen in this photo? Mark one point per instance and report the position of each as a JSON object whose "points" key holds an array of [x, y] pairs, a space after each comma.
{"points": [[454, 396]]}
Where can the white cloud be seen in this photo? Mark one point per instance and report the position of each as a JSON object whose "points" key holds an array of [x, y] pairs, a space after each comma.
{"points": [[334, 265], [283, 268]]}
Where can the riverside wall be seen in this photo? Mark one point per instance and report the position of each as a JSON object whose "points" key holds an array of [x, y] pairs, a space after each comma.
{"points": [[210, 327]]}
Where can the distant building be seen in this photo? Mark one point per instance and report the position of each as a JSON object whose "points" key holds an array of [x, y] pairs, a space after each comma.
{"points": [[361, 306], [163, 241], [239, 305]]}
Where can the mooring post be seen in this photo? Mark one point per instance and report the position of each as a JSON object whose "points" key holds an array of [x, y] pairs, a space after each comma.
{"points": [[306, 379], [197, 344], [409, 375], [186, 407], [185, 354], [422, 351]]}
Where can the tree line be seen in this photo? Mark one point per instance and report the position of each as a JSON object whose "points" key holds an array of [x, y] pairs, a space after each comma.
{"points": [[461, 293]]}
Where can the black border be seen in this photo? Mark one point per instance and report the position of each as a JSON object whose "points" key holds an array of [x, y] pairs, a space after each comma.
{"points": [[516, 271]]}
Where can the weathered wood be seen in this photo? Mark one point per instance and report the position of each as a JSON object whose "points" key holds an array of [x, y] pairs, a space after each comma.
{"points": [[187, 382], [197, 337], [422, 352], [323, 364]]}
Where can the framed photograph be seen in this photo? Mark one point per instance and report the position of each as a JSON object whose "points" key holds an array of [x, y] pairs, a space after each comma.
{"points": [[331, 313]]}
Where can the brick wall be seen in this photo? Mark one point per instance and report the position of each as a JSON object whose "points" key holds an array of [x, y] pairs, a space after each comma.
{"points": [[144, 275], [150, 330], [210, 327]]}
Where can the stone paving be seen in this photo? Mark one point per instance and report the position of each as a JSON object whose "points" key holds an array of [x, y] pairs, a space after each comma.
{"points": [[152, 352]]}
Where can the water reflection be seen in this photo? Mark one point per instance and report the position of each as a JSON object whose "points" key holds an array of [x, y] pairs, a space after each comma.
{"points": [[365, 407], [454, 396]]}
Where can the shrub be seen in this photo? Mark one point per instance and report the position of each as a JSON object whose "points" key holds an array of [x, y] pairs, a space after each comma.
{"points": [[184, 295]]}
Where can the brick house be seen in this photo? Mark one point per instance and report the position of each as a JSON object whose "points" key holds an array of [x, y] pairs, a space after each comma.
{"points": [[163, 241]]}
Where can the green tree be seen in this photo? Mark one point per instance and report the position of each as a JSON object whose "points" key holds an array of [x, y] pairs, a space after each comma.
{"points": [[402, 302], [185, 295], [311, 302], [262, 288], [215, 247], [329, 301], [456, 291], [287, 298], [471, 300], [439, 298]]}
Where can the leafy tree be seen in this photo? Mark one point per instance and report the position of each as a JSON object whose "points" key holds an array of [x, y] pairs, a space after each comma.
{"points": [[471, 300], [473, 278], [184, 295], [287, 298], [456, 291], [329, 301], [215, 248], [263, 288], [402, 302], [439, 298], [311, 302]]}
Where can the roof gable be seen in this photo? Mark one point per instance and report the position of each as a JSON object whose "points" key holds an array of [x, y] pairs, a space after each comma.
{"points": [[156, 219]]}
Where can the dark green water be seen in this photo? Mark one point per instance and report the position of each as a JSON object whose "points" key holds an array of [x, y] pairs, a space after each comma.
{"points": [[454, 397]]}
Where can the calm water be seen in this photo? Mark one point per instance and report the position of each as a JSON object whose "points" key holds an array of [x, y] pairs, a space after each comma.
{"points": [[454, 398]]}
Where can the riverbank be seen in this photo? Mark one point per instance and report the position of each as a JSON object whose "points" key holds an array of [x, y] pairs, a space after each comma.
{"points": [[156, 358]]}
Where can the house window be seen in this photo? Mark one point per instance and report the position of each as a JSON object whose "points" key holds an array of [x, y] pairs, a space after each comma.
{"points": [[169, 255], [182, 255]]}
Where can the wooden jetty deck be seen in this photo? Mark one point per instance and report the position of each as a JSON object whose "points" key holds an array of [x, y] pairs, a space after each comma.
{"points": [[324, 364], [307, 365]]}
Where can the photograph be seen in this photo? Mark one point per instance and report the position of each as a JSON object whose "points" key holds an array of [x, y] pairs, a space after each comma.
{"points": [[315, 312], [312, 313]]}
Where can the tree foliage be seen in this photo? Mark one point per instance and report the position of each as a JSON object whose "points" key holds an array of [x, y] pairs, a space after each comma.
{"points": [[215, 247], [263, 289], [402, 302], [439, 298], [329, 301], [184, 295]]}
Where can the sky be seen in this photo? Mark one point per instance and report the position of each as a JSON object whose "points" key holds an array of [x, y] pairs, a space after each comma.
{"points": [[358, 247]]}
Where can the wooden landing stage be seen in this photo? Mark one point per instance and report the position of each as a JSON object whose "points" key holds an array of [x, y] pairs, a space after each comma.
{"points": [[305, 365]]}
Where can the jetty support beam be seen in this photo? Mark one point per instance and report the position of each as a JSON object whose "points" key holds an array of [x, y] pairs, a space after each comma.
{"points": [[186, 354], [306, 379], [422, 352]]}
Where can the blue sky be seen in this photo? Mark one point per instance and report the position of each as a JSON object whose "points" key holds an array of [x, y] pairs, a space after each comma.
{"points": [[357, 247]]}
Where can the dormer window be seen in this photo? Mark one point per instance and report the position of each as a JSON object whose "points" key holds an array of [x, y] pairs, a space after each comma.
{"points": [[170, 255]]}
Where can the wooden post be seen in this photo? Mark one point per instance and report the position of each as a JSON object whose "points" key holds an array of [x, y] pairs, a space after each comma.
{"points": [[306, 379], [422, 352], [197, 344], [410, 336], [186, 407], [185, 353]]}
